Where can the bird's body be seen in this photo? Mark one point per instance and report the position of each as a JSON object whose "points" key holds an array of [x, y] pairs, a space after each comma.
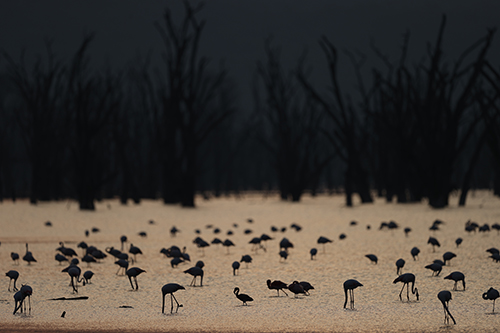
{"points": [[456, 276], [242, 297], [313, 252], [323, 240], [283, 255], [458, 241], [296, 288], [373, 258], [407, 278], [13, 275], [171, 288], [60, 258], [435, 268], [447, 256], [133, 273], [195, 271], [134, 250], [246, 259], [306, 286], [349, 286], [74, 273], [87, 276], [236, 266], [491, 294], [434, 242], [399, 266], [445, 297], [414, 252], [277, 285], [123, 265], [227, 243], [15, 257]]}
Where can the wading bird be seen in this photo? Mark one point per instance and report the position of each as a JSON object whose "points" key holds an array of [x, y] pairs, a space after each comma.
{"points": [[242, 297], [456, 276], [492, 294], [296, 288], [133, 273], [434, 242], [323, 240], [277, 285], [171, 288], [13, 275], [407, 278], [246, 259], [15, 257], [313, 252], [135, 251], [445, 297], [373, 258], [414, 252], [447, 256], [349, 286], [236, 266], [307, 286], [400, 263], [435, 268], [28, 257], [195, 271], [87, 276]]}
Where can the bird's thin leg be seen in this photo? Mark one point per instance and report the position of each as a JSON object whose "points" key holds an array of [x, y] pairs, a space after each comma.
{"points": [[163, 305], [9, 285], [278, 292], [29, 300], [136, 285], [494, 305], [178, 305], [352, 298], [284, 292], [130, 279], [407, 291], [455, 287], [171, 303], [118, 270], [401, 292]]}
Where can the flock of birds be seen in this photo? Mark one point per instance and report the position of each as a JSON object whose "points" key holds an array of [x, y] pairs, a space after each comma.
{"points": [[177, 256]]}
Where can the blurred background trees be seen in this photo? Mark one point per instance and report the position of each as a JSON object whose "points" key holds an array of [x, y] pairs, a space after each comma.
{"points": [[416, 131]]}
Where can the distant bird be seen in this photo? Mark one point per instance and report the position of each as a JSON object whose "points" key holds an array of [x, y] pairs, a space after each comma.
{"points": [[496, 226], [48, 224], [236, 266], [342, 236], [307, 286], [414, 252], [256, 244], [142, 234], [407, 278], [485, 227], [87, 276], [495, 257], [447, 256], [88, 259], [399, 266], [84, 246], [373, 258], [353, 223], [114, 252], [246, 259], [174, 231], [68, 252], [313, 252], [123, 265], [216, 241], [456, 276], [435, 268], [296, 288], [13, 275], [95, 230], [227, 243], [434, 242], [323, 240], [493, 250], [283, 255], [28, 257], [407, 231], [18, 301], [123, 240], [74, 273], [277, 285], [247, 231], [60, 258], [133, 273], [349, 286], [458, 241], [445, 297], [195, 271], [171, 288], [296, 227], [176, 261], [285, 244], [242, 297], [15, 257], [471, 226], [492, 294], [274, 229], [134, 250]]}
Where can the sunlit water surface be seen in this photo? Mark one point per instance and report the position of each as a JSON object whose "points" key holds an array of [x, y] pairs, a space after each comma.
{"points": [[214, 307]]}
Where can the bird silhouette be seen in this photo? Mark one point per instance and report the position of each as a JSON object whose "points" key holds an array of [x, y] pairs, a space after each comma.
{"points": [[134, 250], [15, 257], [123, 240], [277, 285], [87, 276], [307, 286], [373, 258], [456, 276], [434, 242], [133, 273], [246, 259], [60, 258], [285, 244], [242, 297], [26, 291], [13, 275], [447, 256], [28, 257], [349, 286], [227, 243], [236, 266], [68, 252], [407, 278], [74, 273], [399, 266], [414, 252], [445, 298], [313, 252], [296, 288], [18, 301], [323, 240], [492, 294], [171, 288], [407, 231], [458, 241], [195, 271], [435, 268], [123, 265]]}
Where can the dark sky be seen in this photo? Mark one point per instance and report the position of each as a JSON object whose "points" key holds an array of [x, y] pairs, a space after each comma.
{"points": [[236, 29]]}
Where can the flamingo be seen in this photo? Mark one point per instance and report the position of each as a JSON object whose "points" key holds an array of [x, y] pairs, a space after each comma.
{"points": [[123, 240], [68, 252], [246, 259], [13, 275], [414, 252], [123, 265], [492, 294], [133, 273], [435, 267], [406, 278], [18, 301], [434, 242], [313, 252], [445, 297], [227, 243], [242, 297], [171, 288], [458, 241], [87, 276], [350, 285], [28, 257], [456, 276], [195, 271], [235, 265], [323, 240], [59, 257], [296, 288], [277, 285], [135, 251], [399, 265], [15, 257], [373, 258], [447, 256]]}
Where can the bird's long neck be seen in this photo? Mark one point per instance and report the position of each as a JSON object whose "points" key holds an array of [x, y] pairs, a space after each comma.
{"points": [[485, 296], [448, 311], [413, 289], [345, 292]]}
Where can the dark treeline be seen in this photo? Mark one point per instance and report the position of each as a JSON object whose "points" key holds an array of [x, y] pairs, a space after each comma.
{"points": [[414, 131]]}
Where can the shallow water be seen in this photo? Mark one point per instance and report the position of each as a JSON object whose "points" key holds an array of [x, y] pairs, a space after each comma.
{"points": [[214, 307]]}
